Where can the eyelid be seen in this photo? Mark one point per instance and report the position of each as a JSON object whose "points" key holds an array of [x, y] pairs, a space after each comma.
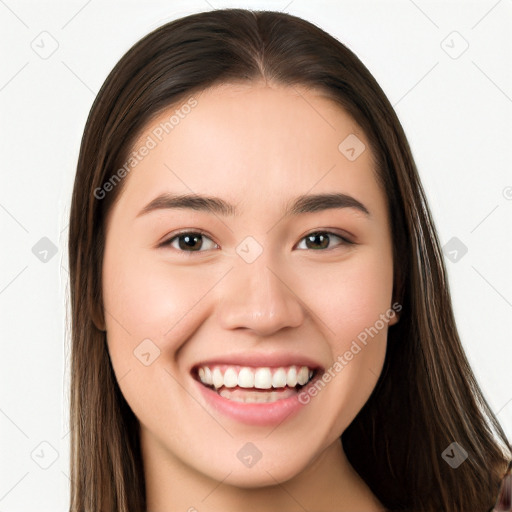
{"points": [[167, 241], [346, 238]]}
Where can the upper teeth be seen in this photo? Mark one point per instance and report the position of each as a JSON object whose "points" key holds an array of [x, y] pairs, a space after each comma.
{"points": [[259, 378]]}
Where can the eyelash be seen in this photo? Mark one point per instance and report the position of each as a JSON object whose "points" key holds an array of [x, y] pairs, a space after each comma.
{"points": [[168, 242]]}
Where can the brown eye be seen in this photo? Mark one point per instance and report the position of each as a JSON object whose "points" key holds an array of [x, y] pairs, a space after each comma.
{"points": [[322, 239], [189, 241]]}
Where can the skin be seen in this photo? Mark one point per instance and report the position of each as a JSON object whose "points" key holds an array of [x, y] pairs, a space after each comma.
{"points": [[257, 146]]}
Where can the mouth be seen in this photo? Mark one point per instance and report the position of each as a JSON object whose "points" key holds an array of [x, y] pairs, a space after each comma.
{"points": [[254, 385]]}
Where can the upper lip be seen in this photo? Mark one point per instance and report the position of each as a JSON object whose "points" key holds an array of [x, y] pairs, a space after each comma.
{"points": [[259, 360]]}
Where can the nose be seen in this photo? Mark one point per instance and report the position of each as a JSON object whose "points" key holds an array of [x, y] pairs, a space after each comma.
{"points": [[259, 297]]}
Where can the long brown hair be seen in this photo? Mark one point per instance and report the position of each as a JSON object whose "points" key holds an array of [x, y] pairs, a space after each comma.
{"points": [[426, 397]]}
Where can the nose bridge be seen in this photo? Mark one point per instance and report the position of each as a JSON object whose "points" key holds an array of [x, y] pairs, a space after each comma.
{"points": [[258, 296]]}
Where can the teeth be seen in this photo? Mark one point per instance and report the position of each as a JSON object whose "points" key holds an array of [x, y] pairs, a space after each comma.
{"points": [[207, 376], [303, 375], [263, 378], [254, 397], [246, 378], [279, 378], [230, 378], [218, 378], [291, 377], [254, 378]]}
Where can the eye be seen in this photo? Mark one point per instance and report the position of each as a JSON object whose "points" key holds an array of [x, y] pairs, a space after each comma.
{"points": [[193, 241], [321, 239], [189, 241]]}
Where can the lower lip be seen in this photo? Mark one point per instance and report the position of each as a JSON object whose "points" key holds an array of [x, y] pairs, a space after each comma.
{"points": [[260, 414]]}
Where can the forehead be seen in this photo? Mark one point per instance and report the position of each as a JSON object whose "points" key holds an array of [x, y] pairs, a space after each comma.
{"points": [[239, 140]]}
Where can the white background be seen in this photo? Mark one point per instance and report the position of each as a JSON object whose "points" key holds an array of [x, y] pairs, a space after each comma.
{"points": [[456, 113]]}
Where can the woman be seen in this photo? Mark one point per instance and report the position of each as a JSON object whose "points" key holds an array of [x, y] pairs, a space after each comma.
{"points": [[260, 314]]}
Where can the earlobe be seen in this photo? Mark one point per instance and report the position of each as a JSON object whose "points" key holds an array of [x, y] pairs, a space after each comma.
{"points": [[394, 313], [99, 325], [394, 319], [98, 318]]}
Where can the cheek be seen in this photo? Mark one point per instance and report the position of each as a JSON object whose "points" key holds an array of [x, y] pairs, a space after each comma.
{"points": [[357, 299], [150, 298], [137, 294], [355, 305], [355, 295], [147, 298]]}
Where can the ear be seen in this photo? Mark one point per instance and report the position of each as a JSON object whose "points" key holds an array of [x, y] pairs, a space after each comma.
{"points": [[97, 315], [397, 297], [396, 309], [394, 319]]}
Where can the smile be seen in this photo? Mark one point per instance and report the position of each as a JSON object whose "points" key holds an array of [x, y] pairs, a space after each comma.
{"points": [[255, 384]]}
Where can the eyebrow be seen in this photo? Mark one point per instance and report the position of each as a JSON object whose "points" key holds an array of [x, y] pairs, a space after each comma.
{"points": [[216, 205]]}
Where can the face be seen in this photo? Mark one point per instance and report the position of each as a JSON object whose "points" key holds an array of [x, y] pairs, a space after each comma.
{"points": [[248, 298]]}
